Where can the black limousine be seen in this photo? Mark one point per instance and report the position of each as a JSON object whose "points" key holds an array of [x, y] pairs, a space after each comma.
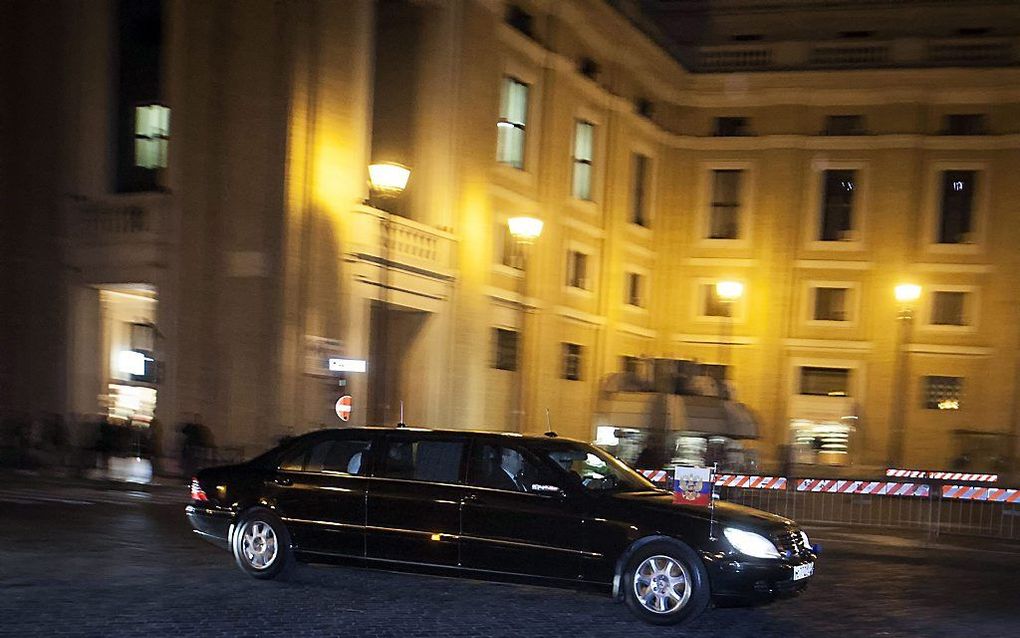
{"points": [[495, 503]]}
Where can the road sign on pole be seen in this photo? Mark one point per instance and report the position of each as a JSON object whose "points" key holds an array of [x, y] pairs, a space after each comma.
{"points": [[343, 407]]}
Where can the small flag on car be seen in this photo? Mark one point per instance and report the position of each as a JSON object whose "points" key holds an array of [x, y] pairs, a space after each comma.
{"points": [[692, 485]]}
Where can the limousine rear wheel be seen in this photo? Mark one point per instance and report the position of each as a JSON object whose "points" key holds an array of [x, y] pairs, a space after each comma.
{"points": [[261, 545], [665, 583]]}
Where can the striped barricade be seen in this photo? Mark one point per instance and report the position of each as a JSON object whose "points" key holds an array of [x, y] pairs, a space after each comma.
{"points": [[972, 493], [867, 488], [655, 476], [751, 482], [973, 477]]}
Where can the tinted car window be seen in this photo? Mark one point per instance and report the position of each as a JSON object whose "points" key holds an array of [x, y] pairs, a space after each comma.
{"points": [[331, 454], [422, 460], [506, 468], [594, 469]]}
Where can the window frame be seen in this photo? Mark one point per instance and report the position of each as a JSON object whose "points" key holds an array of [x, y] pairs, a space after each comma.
{"points": [[739, 314], [565, 357], [591, 269], [831, 131], [971, 305], [305, 447], [526, 454], [382, 448], [575, 160], [858, 379], [852, 309], [643, 279], [706, 196], [933, 207], [497, 331], [799, 381], [925, 392], [816, 206], [508, 80], [640, 213]]}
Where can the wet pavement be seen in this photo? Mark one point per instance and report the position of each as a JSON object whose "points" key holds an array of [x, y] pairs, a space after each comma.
{"points": [[85, 560]]}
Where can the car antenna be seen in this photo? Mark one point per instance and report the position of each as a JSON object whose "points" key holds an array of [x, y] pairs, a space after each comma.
{"points": [[548, 425], [401, 424]]}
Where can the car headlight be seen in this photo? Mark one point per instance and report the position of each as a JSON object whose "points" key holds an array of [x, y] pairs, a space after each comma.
{"points": [[750, 543], [807, 541]]}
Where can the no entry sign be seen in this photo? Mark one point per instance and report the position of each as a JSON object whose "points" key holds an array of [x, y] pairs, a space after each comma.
{"points": [[343, 407]]}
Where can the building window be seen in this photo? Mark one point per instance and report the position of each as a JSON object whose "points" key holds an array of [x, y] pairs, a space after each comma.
{"points": [[948, 308], [639, 186], [510, 130], [712, 305], [824, 382], [505, 356], [521, 20], [644, 107], [724, 216], [629, 364], [152, 135], [588, 68], [837, 205], [577, 270], [731, 127], [942, 393], [956, 212], [965, 124], [572, 361], [635, 289], [844, 125], [511, 253], [584, 152], [831, 304]]}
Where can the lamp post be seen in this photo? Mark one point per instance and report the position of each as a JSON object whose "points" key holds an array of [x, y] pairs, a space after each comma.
{"points": [[728, 292], [525, 232], [387, 181], [906, 296]]}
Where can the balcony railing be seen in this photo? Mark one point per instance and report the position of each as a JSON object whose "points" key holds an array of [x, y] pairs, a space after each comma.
{"points": [[397, 240], [845, 54]]}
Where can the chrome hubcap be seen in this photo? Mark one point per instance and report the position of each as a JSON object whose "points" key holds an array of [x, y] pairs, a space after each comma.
{"points": [[662, 584], [258, 544]]}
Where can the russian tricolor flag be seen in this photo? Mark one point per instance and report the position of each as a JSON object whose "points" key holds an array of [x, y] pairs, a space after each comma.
{"points": [[692, 486]]}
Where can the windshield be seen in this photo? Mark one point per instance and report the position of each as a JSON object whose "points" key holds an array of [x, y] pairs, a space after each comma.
{"points": [[596, 470]]}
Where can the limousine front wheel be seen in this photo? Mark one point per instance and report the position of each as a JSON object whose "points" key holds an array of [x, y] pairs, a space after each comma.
{"points": [[665, 583], [261, 545]]}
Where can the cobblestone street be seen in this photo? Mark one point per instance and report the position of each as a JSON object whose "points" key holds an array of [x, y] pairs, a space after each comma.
{"points": [[79, 561]]}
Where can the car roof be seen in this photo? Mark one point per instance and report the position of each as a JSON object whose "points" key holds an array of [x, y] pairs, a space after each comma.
{"points": [[544, 438]]}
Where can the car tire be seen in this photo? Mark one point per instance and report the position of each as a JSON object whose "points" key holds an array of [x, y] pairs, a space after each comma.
{"points": [[261, 545], [665, 583]]}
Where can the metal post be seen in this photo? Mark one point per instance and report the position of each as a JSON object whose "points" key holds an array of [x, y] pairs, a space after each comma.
{"points": [[900, 386], [522, 256]]}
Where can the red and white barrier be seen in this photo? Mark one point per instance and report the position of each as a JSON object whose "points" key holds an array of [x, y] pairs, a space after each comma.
{"points": [[973, 493], [872, 488], [752, 482], [655, 476], [942, 476]]}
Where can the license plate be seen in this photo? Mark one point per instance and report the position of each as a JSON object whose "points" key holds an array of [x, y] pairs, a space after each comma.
{"points": [[803, 571]]}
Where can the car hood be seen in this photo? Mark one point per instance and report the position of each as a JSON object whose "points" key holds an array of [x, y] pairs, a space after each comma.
{"points": [[723, 512]]}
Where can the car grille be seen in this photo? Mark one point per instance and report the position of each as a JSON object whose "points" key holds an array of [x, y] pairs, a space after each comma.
{"points": [[790, 543]]}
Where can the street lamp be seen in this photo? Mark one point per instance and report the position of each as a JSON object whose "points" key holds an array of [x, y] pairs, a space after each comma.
{"points": [[387, 181], [727, 292], [906, 295], [525, 232]]}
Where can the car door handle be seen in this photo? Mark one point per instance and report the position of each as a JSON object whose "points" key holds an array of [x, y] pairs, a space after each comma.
{"points": [[283, 480], [471, 498]]}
